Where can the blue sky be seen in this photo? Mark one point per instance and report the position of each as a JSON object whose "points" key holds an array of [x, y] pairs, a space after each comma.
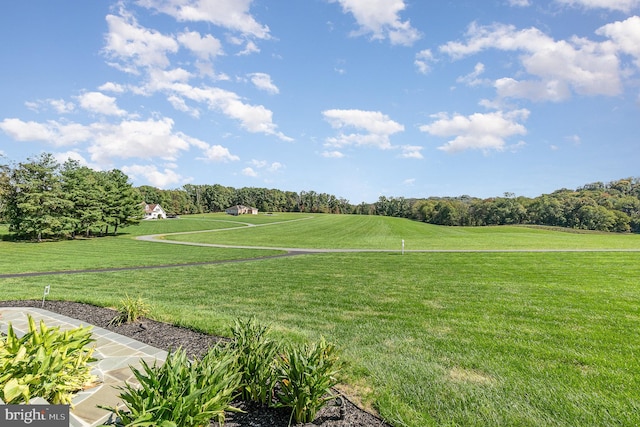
{"points": [[356, 98]]}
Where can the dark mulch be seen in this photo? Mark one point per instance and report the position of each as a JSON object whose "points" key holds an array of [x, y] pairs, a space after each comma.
{"points": [[168, 337]]}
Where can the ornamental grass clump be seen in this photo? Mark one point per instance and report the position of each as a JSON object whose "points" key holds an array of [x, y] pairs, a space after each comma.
{"points": [[46, 363], [306, 375], [180, 392], [256, 354], [130, 310]]}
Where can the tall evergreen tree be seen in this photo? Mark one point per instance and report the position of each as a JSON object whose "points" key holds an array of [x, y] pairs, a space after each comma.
{"points": [[83, 187], [36, 203], [4, 189], [123, 203]]}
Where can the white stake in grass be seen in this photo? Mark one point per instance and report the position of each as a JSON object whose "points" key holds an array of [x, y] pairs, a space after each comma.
{"points": [[46, 292], [402, 246]]}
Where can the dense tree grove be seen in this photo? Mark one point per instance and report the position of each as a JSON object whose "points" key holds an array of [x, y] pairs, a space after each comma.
{"points": [[216, 198], [605, 207], [42, 199]]}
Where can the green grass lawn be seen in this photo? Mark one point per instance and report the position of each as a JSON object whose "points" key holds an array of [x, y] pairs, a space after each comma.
{"points": [[430, 339], [374, 232], [120, 251]]}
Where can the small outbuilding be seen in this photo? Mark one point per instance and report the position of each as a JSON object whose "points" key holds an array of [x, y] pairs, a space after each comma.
{"points": [[241, 210], [154, 211]]}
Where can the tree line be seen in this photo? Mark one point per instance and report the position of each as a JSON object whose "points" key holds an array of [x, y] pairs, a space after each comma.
{"points": [[614, 206], [216, 198], [41, 198]]}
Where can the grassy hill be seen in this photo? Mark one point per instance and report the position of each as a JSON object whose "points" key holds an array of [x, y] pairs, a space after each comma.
{"points": [[379, 232]]}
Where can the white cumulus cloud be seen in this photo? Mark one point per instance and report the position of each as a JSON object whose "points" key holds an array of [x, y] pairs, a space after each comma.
{"points": [[61, 106], [377, 127], [158, 178], [249, 172], [112, 87], [519, 3], [138, 138], [263, 82], [620, 5], [52, 132], [97, 102], [625, 36], [380, 19], [133, 46], [556, 68], [206, 48], [332, 154], [230, 14], [473, 78], [487, 131], [269, 167], [423, 61], [411, 152], [218, 153], [254, 118], [179, 104]]}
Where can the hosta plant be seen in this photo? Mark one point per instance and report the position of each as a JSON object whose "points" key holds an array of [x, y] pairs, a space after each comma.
{"points": [[180, 392], [256, 354], [46, 363], [130, 309], [306, 374]]}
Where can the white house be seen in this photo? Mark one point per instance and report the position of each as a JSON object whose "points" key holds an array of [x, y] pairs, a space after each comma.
{"points": [[240, 209], [154, 211]]}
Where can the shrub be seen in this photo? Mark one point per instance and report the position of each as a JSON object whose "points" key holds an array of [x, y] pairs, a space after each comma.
{"points": [[130, 310], [180, 392], [256, 354], [45, 363], [306, 375]]}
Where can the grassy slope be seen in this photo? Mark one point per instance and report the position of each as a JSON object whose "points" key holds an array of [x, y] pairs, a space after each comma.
{"points": [[435, 338], [370, 232]]}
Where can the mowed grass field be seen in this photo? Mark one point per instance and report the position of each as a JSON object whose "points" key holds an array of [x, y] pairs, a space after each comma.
{"points": [[120, 251], [429, 338], [374, 232]]}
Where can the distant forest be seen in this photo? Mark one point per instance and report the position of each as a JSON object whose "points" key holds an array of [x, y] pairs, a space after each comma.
{"points": [[40, 198], [614, 206]]}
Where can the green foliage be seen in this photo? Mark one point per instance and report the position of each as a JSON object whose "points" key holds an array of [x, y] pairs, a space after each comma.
{"points": [[216, 198], [45, 363], [123, 202], [256, 354], [180, 392], [4, 188], [130, 309], [188, 393], [36, 202], [306, 374], [84, 188], [41, 199]]}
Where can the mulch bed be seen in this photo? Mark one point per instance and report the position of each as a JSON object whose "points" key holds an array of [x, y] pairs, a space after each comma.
{"points": [[168, 337]]}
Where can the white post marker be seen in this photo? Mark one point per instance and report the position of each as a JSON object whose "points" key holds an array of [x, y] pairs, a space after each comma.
{"points": [[46, 292], [402, 246]]}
